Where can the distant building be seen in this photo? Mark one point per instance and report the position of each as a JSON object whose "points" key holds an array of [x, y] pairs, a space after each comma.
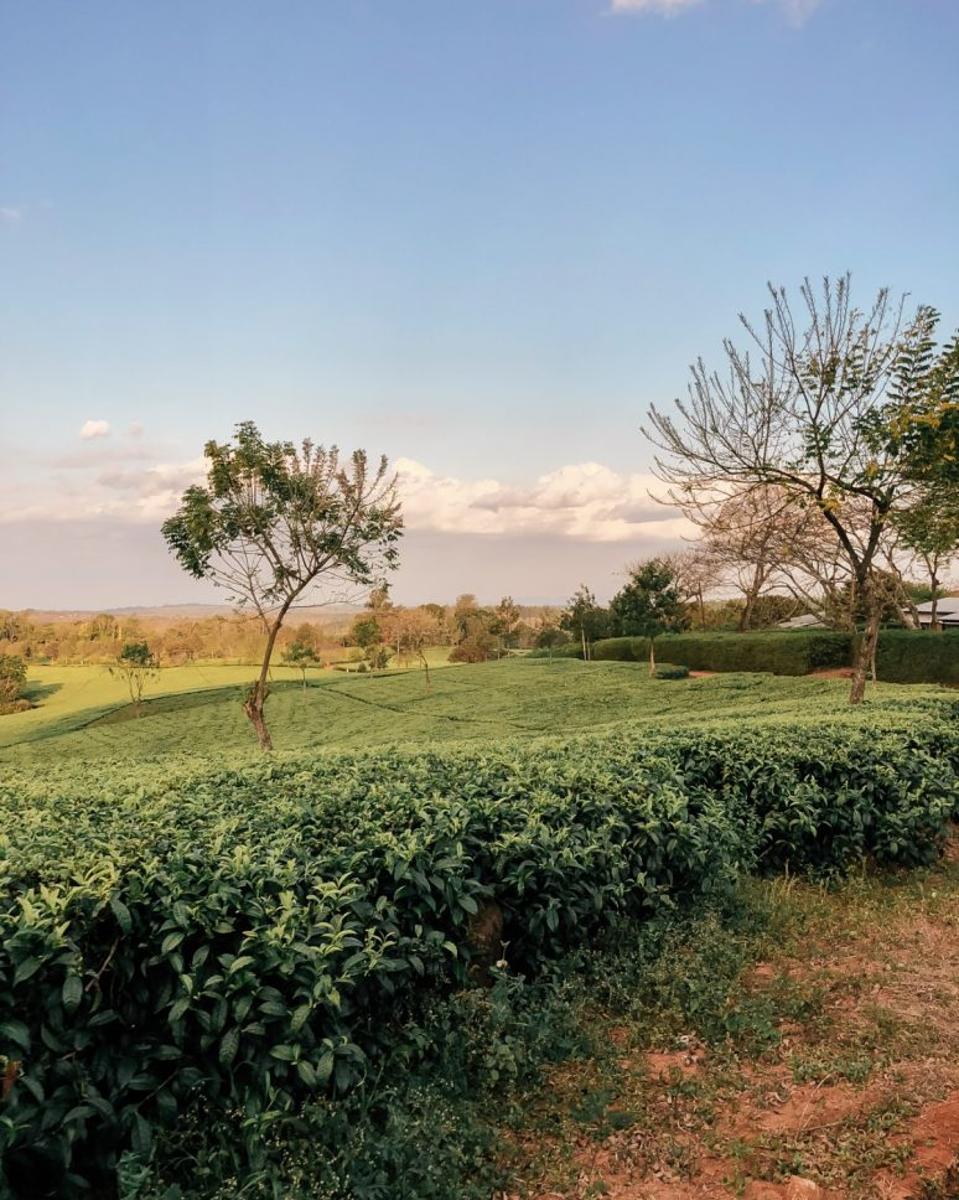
{"points": [[805, 621], [947, 611]]}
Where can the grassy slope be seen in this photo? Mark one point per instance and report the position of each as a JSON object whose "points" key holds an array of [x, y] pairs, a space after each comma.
{"points": [[83, 715]]}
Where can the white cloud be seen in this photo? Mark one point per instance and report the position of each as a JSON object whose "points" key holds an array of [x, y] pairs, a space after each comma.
{"points": [[94, 429], [135, 430], [665, 8], [10, 215], [586, 501]]}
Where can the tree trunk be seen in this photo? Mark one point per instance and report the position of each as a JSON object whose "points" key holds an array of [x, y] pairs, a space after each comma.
{"points": [[652, 656], [426, 668], [934, 611], [582, 630], [253, 707], [751, 596], [867, 649], [255, 701]]}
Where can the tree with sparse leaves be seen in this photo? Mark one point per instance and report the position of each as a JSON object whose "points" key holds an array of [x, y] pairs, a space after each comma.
{"points": [[135, 664], [302, 654], [807, 412], [274, 521]]}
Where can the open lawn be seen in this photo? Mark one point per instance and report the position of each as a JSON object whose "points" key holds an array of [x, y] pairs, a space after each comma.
{"points": [[84, 714]]}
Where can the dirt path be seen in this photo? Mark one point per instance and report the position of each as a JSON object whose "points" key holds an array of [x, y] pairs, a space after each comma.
{"points": [[858, 1097]]}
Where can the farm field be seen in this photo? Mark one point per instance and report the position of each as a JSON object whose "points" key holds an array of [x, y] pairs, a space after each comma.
{"points": [[85, 714], [524, 935]]}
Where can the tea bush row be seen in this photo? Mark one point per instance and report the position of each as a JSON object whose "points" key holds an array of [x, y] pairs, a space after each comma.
{"points": [[240, 940]]}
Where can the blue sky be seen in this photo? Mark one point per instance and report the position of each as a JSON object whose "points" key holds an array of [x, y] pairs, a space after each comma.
{"points": [[481, 237]]}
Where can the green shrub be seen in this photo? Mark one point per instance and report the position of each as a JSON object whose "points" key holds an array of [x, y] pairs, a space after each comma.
{"points": [[781, 653], [671, 671], [918, 656], [242, 941], [13, 676]]}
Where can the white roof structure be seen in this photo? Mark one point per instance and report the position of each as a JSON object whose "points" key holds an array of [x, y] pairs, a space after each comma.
{"points": [[805, 621], [947, 611]]}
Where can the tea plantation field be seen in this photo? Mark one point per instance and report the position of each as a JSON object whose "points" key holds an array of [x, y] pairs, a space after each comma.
{"points": [[84, 714], [326, 974]]}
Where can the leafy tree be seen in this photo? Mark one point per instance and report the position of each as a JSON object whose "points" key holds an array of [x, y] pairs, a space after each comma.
{"points": [[807, 414], [548, 635], [366, 631], [649, 604], [585, 620], [13, 676], [135, 664], [274, 521], [302, 654], [416, 629], [506, 622], [377, 656]]}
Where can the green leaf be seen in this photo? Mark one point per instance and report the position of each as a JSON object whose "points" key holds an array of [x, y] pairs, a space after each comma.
{"points": [[17, 1032], [171, 941], [122, 914], [324, 1068], [229, 1045], [306, 1072], [26, 969], [72, 992]]}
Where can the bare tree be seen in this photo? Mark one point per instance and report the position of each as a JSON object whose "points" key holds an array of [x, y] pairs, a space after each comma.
{"points": [[803, 413], [695, 573], [274, 521], [744, 538]]}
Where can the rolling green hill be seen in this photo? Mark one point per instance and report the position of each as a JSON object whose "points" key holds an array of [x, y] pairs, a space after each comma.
{"points": [[83, 716]]}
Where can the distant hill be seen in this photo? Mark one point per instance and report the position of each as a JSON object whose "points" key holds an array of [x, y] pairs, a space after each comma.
{"points": [[183, 612]]}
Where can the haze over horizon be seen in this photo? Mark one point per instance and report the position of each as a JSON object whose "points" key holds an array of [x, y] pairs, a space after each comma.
{"points": [[478, 238]]}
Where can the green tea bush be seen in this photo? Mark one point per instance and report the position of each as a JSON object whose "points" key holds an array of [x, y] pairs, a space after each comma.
{"points": [[244, 941], [782, 653], [671, 671]]}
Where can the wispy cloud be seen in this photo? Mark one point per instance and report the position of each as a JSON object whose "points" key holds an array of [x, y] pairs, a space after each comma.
{"points": [[797, 11], [665, 8], [94, 429], [10, 215]]}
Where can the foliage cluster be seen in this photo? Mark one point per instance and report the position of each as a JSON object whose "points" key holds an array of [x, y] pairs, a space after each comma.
{"points": [[239, 941], [13, 676]]}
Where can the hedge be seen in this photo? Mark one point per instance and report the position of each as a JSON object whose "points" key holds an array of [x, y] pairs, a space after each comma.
{"points": [[908, 656], [243, 939], [782, 653], [904, 656]]}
